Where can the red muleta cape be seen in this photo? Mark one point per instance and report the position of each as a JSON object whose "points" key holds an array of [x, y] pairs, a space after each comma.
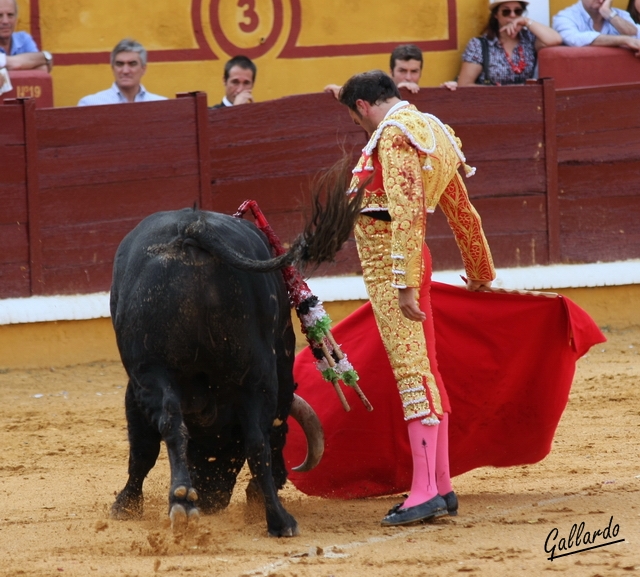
{"points": [[507, 361]]}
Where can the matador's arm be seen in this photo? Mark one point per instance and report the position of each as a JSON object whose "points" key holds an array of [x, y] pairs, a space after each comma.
{"points": [[467, 229], [402, 176]]}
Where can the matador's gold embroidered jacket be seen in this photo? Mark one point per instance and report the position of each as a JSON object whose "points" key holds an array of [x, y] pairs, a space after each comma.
{"points": [[414, 159]]}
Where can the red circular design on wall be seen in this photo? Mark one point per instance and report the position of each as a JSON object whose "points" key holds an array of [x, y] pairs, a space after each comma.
{"points": [[251, 52]]}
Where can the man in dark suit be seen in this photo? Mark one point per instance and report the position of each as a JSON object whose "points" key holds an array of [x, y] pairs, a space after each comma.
{"points": [[239, 77]]}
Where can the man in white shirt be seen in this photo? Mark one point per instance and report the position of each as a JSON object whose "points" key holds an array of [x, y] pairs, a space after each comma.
{"points": [[128, 63], [596, 23]]}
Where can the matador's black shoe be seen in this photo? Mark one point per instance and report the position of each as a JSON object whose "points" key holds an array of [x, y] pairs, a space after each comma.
{"points": [[436, 507], [451, 500]]}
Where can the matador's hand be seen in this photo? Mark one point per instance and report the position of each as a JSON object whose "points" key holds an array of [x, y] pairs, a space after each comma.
{"points": [[409, 305], [478, 285]]}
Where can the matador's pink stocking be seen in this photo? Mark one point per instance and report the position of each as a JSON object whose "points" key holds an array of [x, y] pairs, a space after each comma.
{"points": [[423, 440], [443, 477]]}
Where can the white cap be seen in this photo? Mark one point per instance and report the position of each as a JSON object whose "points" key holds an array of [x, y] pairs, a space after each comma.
{"points": [[493, 3]]}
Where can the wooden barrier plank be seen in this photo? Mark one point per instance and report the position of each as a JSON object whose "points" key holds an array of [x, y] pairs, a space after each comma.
{"points": [[290, 115], [14, 168], [12, 123], [274, 195], [33, 194], [598, 229], [603, 146], [14, 280], [506, 105], [322, 150], [506, 178], [14, 241], [96, 125], [14, 232], [600, 108], [590, 128], [86, 243], [574, 66], [551, 170], [201, 114], [65, 280], [599, 180], [110, 162], [13, 207], [117, 200]]}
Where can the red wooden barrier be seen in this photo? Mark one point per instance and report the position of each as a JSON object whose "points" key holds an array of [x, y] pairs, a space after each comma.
{"points": [[573, 67], [93, 174], [35, 84], [558, 177], [599, 172], [14, 239]]}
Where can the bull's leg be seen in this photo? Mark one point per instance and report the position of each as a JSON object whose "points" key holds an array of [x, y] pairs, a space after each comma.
{"points": [[278, 466], [155, 394], [215, 468], [258, 450], [144, 447]]}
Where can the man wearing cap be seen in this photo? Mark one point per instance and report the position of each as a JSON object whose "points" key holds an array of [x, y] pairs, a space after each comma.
{"points": [[597, 23]]}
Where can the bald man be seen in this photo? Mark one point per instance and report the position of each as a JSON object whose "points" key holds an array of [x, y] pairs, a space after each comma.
{"points": [[18, 51]]}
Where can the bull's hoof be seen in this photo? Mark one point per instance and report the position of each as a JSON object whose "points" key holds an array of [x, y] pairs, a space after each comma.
{"points": [[285, 532], [126, 508], [285, 526], [184, 514], [181, 492], [181, 520]]}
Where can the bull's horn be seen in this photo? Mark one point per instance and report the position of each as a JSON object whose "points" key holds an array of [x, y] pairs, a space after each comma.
{"points": [[302, 412]]}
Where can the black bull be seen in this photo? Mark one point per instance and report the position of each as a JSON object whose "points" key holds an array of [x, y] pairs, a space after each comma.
{"points": [[203, 325]]}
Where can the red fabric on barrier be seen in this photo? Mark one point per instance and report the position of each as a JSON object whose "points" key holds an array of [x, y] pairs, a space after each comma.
{"points": [[507, 361]]}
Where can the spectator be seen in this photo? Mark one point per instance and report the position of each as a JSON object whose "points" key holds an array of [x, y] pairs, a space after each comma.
{"points": [[18, 51], [633, 9], [596, 23], [128, 63], [239, 77], [405, 64], [509, 43]]}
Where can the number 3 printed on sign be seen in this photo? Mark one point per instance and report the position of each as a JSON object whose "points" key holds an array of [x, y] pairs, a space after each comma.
{"points": [[249, 13], [249, 27]]}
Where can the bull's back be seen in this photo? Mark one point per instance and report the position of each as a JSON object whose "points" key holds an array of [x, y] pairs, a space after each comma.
{"points": [[174, 301]]}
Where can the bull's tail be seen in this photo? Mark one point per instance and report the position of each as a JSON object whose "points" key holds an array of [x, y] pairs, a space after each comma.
{"points": [[203, 235], [333, 215]]}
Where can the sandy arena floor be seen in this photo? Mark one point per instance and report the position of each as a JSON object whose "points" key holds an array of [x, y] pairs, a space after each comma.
{"points": [[63, 437]]}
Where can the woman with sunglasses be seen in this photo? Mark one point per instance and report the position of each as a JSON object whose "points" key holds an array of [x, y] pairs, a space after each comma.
{"points": [[511, 42]]}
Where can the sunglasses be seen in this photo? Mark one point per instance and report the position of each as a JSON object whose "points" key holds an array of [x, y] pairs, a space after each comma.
{"points": [[507, 12]]}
